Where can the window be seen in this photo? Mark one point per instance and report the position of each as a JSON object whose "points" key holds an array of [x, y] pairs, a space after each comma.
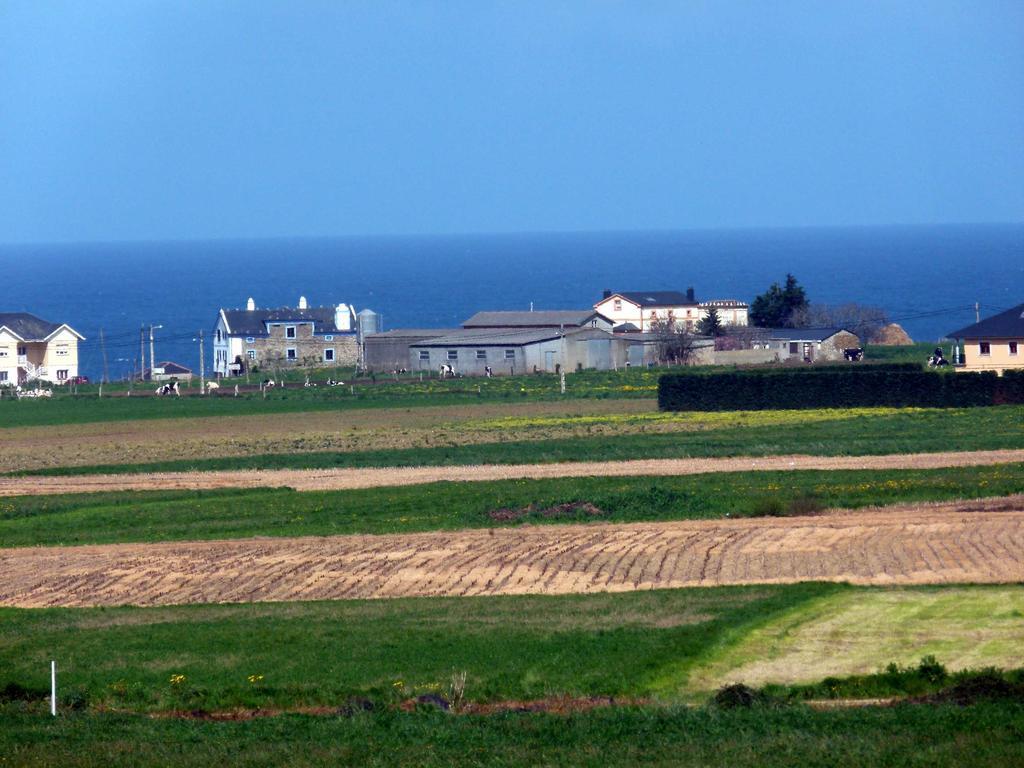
{"points": [[290, 353], [22, 350], [1013, 347], [617, 305], [3, 375], [218, 334], [328, 337], [984, 348], [289, 331], [794, 348], [510, 354], [3, 353], [250, 340], [62, 374], [252, 354], [481, 354], [328, 355], [593, 323], [424, 354], [453, 354]]}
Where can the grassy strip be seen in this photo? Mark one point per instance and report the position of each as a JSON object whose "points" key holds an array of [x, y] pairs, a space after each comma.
{"points": [[381, 391], [928, 677], [289, 655], [408, 392], [933, 736], [914, 431], [190, 515]]}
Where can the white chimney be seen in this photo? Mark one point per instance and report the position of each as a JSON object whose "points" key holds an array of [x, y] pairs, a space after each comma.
{"points": [[302, 302], [343, 317], [250, 304]]}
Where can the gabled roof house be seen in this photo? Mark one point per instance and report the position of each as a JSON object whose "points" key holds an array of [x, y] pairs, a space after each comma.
{"points": [[994, 344], [284, 336], [33, 349]]}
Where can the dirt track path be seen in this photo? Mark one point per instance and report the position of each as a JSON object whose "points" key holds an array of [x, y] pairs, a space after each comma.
{"points": [[974, 541], [343, 479]]}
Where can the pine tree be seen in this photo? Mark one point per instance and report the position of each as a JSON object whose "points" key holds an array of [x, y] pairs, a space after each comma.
{"points": [[711, 324], [776, 307]]}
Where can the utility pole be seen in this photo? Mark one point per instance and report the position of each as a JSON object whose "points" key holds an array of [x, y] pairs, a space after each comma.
{"points": [[977, 314], [152, 354], [106, 366], [202, 365], [142, 353]]}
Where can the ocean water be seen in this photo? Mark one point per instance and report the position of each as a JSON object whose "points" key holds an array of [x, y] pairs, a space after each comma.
{"points": [[927, 278]]}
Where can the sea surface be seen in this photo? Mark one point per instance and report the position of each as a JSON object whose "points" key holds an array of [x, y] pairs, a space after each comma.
{"points": [[927, 278]]}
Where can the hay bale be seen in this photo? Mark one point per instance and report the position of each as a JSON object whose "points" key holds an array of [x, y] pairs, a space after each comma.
{"points": [[892, 335]]}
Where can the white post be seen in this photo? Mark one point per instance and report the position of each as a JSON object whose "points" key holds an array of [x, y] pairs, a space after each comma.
{"points": [[563, 382], [53, 688]]}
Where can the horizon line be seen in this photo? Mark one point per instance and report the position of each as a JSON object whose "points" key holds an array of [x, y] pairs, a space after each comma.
{"points": [[506, 233]]}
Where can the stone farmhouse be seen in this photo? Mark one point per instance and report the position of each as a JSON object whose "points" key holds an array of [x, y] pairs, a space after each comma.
{"points": [[283, 337], [809, 345], [33, 349], [632, 311], [994, 344]]}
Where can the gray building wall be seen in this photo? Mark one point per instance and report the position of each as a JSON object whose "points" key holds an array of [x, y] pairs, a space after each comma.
{"points": [[272, 350]]}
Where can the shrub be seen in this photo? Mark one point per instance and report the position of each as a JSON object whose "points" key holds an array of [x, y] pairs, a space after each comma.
{"points": [[836, 387], [737, 696]]}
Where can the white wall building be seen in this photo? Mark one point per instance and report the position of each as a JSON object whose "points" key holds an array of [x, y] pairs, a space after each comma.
{"points": [[641, 309]]}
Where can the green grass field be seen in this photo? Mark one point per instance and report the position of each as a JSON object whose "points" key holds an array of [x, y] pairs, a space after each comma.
{"points": [[181, 515], [867, 432], [659, 646], [791, 737], [381, 391]]}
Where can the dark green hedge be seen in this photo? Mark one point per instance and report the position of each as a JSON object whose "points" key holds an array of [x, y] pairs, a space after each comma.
{"points": [[839, 387]]}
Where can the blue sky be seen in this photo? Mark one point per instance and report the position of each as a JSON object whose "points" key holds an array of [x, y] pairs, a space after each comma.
{"points": [[153, 120]]}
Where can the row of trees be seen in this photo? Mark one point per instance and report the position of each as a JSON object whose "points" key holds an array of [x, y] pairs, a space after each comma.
{"points": [[786, 306]]}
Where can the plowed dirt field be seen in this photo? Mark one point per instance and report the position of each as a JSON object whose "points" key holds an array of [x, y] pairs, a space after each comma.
{"points": [[975, 541], [343, 479]]}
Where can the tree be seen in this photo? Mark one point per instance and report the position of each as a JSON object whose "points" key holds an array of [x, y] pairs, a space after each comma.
{"points": [[711, 324], [675, 342], [778, 306]]}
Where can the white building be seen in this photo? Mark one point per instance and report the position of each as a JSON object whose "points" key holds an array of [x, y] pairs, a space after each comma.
{"points": [[639, 310], [33, 349]]}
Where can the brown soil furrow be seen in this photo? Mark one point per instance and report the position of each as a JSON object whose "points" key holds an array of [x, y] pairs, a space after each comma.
{"points": [[974, 541], [343, 479]]}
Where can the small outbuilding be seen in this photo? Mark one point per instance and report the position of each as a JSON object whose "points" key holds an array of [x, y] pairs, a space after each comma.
{"points": [[808, 344], [167, 370]]}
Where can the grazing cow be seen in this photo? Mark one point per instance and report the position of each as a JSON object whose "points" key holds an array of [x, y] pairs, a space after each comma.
{"points": [[268, 384], [854, 354], [169, 389], [447, 371], [211, 386], [488, 372]]}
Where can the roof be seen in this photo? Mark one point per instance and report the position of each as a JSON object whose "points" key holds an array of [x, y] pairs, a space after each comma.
{"points": [[1008, 324], [552, 318], [31, 328], [803, 334], [410, 333], [625, 328], [251, 322], [725, 303], [497, 337], [655, 298], [172, 368]]}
